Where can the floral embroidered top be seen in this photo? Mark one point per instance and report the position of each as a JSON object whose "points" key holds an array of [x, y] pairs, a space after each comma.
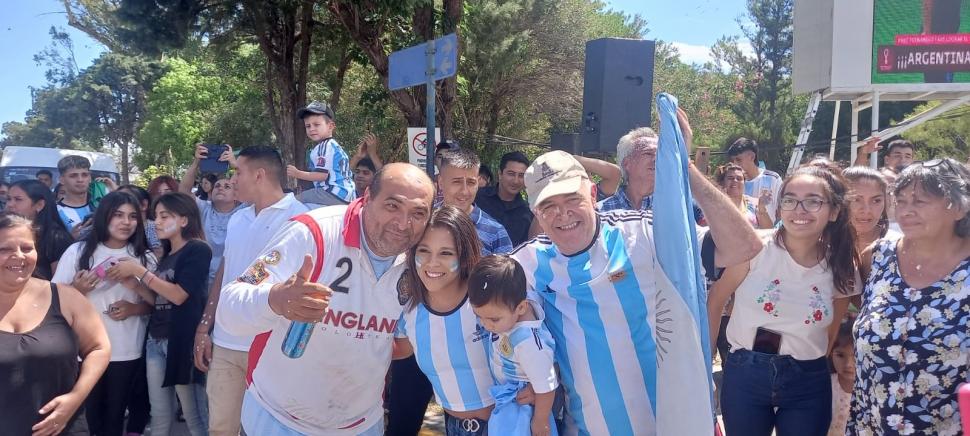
{"points": [[785, 297], [912, 351]]}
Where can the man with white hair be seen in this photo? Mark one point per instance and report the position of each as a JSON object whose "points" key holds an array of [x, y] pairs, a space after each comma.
{"points": [[637, 155], [629, 352]]}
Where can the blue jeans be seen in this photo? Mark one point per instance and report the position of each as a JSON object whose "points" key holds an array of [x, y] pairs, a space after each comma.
{"points": [[763, 392], [465, 427], [192, 396]]}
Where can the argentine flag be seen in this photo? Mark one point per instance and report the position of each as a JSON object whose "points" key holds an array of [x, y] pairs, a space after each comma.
{"points": [[678, 252]]}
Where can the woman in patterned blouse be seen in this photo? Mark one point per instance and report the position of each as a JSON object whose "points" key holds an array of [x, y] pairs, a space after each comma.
{"points": [[913, 332]]}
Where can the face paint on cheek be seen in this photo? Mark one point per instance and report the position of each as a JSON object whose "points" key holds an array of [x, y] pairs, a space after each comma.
{"points": [[454, 266], [170, 228], [114, 228], [419, 261]]}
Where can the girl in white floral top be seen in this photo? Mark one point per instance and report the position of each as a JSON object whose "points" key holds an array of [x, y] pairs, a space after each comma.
{"points": [[789, 294]]}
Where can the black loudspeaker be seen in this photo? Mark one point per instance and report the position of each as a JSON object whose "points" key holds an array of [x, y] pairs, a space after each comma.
{"points": [[568, 142], [617, 92]]}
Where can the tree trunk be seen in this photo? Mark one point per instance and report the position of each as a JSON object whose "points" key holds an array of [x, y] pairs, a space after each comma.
{"points": [[367, 35], [354, 16], [124, 163], [279, 31], [346, 58]]}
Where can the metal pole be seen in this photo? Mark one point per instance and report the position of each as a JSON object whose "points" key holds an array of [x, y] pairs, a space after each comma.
{"points": [[431, 142], [855, 130], [835, 129], [874, 156]]}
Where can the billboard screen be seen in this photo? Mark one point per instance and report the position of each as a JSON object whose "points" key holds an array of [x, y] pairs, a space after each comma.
{"points": [[921, 41]]}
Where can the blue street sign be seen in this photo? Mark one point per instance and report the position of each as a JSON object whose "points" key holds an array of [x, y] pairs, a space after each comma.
{"points": [[409, 67]]}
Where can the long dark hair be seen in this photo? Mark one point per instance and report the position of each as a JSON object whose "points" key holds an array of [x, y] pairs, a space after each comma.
{"points": [[857, 174], [48, 226], [212, 178], [182, 204], [467, 245], [838, 238], [142, 195], [137, 244]]}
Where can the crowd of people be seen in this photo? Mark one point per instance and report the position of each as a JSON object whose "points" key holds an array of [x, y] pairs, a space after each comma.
{"points": [[837, 298]]}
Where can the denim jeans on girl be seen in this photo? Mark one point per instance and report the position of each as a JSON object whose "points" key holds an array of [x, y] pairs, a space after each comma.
{"points": [[192, 396], [763, 392]]}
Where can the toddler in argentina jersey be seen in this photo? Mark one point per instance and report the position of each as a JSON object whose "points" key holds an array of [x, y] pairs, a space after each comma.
{"points": [[520, 348]]}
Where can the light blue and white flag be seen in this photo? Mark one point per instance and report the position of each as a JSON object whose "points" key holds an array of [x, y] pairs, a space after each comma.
{"points": [[674, 229]]}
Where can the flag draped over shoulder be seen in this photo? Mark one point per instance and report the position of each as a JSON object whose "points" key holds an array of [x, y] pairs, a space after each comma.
{"points": [[674, 228]]}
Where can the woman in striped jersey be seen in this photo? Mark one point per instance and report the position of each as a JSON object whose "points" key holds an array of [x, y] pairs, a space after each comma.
{"points": [[439, 327]]}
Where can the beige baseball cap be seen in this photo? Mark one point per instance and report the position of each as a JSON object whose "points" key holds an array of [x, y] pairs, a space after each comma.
{"points": [[553, 173]]}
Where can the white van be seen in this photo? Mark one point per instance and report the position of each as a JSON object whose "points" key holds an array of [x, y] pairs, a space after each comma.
{"points": [[21, 163]]}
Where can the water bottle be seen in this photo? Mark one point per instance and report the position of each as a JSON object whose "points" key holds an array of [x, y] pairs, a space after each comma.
{"points": [[297, 336]]}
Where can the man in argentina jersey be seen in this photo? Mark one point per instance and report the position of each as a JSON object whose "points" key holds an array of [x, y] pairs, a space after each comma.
{"points": [[628, 349], [759, 183]]}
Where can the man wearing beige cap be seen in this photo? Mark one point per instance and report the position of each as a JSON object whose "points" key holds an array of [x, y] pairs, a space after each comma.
{"points": [[627, 346]]}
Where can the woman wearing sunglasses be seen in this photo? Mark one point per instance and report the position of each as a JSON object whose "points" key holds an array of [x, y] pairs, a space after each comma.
{"points": [[788, 301], [913, 333]]}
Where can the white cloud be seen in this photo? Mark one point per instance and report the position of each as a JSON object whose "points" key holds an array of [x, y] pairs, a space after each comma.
{"points": [[692, 54], [746, 48], [700, 54]]}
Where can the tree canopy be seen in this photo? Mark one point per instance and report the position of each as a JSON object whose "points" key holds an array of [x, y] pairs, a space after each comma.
{"points": [[178, 72]]}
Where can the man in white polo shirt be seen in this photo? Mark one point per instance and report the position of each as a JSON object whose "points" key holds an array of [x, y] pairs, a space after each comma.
{"points": [[335, 272], [258, 173]]}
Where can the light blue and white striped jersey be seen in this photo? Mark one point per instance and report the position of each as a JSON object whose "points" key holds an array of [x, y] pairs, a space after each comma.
{"points": [[628, 348], [525, 354], [329, 156], [768, 181], [72, 216], [450, 350]]}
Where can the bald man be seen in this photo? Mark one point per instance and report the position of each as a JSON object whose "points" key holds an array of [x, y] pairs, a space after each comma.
{"points": [[335, 272]]}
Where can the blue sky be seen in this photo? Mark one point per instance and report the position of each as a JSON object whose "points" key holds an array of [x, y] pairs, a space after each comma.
{"points": [[692, 25]]}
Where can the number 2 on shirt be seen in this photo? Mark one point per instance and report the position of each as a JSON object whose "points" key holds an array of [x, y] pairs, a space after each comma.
{"points": [[336, 285]]}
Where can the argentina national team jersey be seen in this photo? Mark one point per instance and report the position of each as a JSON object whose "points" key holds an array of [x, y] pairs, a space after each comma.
{"points": [[329, 156], [450, 350], [525, 354], [72, 216], [629, 352]]}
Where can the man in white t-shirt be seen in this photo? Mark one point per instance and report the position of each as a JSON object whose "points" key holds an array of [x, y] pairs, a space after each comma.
{"points": [[224, 355], [335, 272], [760, 183], [217, 210]]}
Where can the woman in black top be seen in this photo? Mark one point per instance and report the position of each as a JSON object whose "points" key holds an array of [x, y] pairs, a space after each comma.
{"points": [[178, 288], [43, 330], [32, 199]]}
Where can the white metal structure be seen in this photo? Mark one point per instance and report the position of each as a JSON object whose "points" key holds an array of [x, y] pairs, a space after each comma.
{"points": [[833, 57]]}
